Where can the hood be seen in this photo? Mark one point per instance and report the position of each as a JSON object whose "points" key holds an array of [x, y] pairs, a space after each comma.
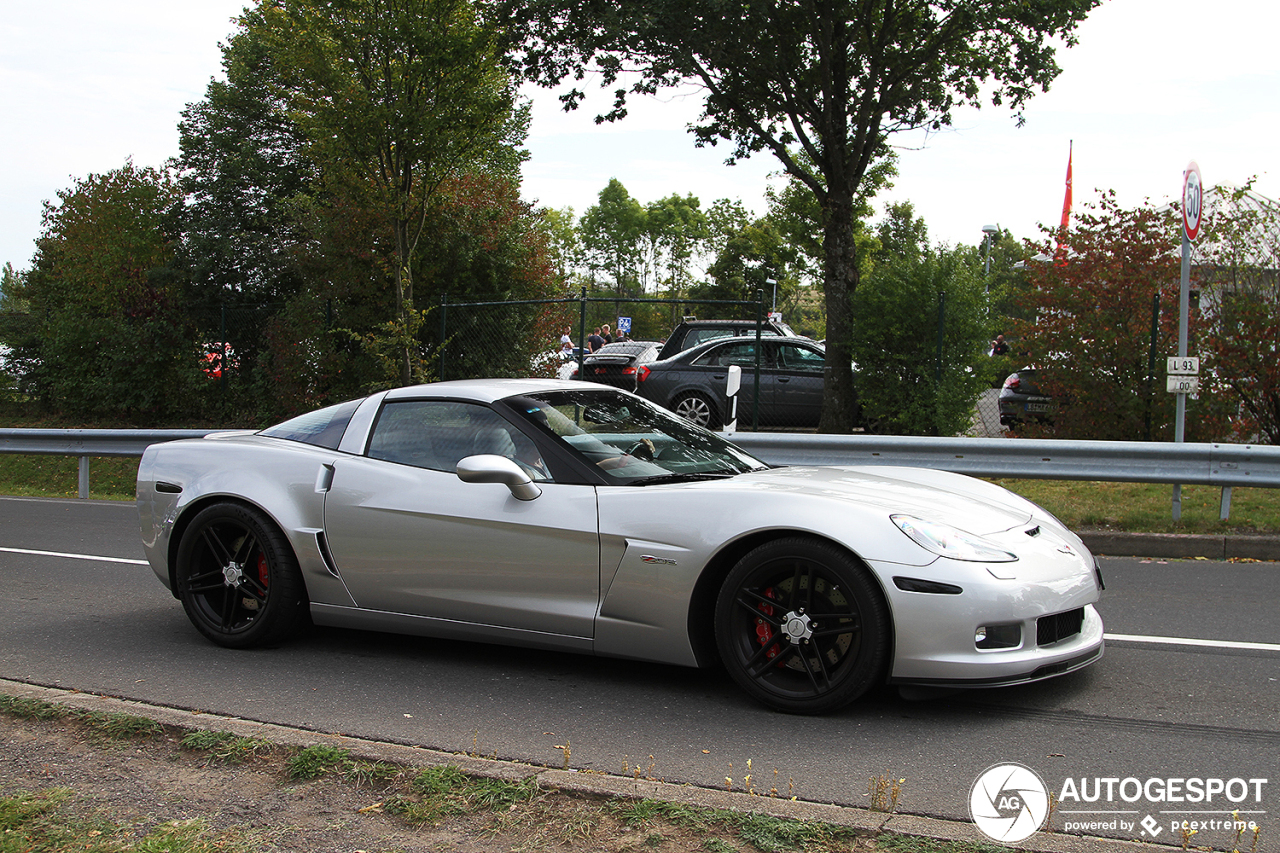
{"points": [[970, 504]]}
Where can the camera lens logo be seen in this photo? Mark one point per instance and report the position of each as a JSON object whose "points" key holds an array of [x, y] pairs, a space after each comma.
{"points": [[1008, 802]]}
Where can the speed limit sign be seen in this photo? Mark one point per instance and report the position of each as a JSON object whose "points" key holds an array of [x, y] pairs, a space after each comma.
{"points": [[1192, 201]]}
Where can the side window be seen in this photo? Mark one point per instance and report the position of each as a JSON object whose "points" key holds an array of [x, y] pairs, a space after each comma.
{"points": [[802, 358], [323, 428], [701, 336], [742, 354], [435, 434]]}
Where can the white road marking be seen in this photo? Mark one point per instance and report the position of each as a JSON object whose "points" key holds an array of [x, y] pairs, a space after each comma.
{"points": [[89, 557], [1186, 641], [1130, 638]]}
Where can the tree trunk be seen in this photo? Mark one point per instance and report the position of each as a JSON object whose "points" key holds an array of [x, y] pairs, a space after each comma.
{"points": [[839, 409], [404, 296]]}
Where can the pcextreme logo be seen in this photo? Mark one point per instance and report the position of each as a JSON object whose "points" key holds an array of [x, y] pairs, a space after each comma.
{"points": [[1008, 802]]}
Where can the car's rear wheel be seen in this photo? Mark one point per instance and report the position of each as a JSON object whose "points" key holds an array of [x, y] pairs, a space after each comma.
{"points": [[698, 410], [802, 626], [238, 578]]}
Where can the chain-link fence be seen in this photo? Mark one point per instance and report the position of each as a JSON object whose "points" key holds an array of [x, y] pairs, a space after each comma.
{"points": [[293, 358]]}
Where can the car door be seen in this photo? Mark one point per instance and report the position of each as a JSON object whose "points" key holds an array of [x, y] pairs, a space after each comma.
{"points": [[408, 536], [797, 385], [713, 367]]}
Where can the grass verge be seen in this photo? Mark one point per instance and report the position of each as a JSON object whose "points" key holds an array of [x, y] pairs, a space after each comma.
{"points": [[491, 814]]}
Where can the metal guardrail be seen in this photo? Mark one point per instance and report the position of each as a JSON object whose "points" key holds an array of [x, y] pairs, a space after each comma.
{"points": [[1042, 459], [1222, 465], [88, 443]]}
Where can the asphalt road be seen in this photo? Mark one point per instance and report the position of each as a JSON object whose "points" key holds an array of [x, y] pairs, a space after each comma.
{"points": [[82, 611]]}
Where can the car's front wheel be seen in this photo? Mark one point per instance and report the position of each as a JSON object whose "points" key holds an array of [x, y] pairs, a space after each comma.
{"points": [[802, 626], [698, 410], [238, 578]]}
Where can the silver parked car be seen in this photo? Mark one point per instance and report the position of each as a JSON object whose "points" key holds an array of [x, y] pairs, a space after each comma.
{"points": [[575, 517]]}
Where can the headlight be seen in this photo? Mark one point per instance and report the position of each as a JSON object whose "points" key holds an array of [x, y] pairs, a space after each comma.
{"points": [[946, 541]]}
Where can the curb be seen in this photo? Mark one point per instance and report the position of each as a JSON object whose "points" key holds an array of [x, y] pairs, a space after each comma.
{"points": [[862, 821], [1106, 543]]}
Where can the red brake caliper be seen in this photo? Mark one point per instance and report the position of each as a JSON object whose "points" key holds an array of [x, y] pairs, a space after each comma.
{"points": [[263, 573], [764, 633]]}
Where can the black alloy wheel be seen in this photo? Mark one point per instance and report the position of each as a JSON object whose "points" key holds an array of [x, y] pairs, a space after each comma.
{"points": [[802, 626], [238, 578]]}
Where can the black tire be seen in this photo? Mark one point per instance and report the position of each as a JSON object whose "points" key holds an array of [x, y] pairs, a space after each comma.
{"points": [[802, 626], [238, 579], [698, 410]]}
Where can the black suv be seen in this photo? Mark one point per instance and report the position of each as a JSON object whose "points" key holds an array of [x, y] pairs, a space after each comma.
{"points": [[692, 332]]}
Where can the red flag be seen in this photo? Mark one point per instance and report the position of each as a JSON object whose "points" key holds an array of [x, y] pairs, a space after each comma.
{"points": [[1061, 253], [1066, 202]]}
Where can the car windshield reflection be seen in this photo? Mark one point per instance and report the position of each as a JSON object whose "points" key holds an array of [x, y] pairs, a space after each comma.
{"points": [[632, 441]]}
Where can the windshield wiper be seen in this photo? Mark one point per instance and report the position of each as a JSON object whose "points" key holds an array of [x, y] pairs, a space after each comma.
{"points": [[686, 477]]}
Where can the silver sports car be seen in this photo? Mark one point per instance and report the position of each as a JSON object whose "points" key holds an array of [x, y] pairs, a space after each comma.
{"points": [[575, 517]]}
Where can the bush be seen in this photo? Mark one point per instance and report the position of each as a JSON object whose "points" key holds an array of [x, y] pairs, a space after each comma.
{"points": [[907, 384]]}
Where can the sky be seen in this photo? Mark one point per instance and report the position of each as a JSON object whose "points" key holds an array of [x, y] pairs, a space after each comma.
{"points": [[1152, 85]]}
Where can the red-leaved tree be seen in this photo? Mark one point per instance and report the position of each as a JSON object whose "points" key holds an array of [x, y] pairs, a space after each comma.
{"points": [[1240, 261], [1105, 316]]}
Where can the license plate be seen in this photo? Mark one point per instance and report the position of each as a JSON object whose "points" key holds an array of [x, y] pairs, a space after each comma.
{"points": [[1039, 407]]}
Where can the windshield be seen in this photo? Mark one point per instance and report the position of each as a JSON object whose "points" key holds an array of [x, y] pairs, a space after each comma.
{"points": [[632, 441]]}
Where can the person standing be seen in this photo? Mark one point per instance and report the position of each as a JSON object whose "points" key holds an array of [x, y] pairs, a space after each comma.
{"points": [[604, 333], [594, 340]]}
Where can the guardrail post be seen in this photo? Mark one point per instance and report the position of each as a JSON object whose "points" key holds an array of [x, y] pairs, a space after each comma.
{"points": [[84, 478], [1224, 508]]}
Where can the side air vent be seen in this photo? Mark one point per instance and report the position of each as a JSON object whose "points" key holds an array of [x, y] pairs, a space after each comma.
{"points": [[934, 587]]}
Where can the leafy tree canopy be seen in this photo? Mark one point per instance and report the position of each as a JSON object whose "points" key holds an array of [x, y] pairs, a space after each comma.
{"points": [[920, 339], [831, 81], [395, 97], [109, 336], [1098, 324], [1238, 259], [241, 166]]}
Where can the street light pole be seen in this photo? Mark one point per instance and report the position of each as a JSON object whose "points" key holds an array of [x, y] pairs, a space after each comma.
{"points": [[989, 233]]}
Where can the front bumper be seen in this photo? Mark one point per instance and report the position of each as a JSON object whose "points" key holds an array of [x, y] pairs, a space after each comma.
{"points": [[1038, 601]]}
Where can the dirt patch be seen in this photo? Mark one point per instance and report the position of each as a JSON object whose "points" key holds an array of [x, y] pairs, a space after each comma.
{"points": [[143, 783]]}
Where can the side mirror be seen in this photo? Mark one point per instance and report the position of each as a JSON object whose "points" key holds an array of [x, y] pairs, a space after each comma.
{"points": [[488, 468]]}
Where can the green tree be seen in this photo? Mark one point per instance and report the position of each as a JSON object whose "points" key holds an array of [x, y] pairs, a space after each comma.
{"points": [[395, 97], [676, 231], [901, 234], [242, 167], [612, 232], [15, 325], [563, 241], [10, 284], [831, 81], [110, 336], [921, 331], [748, 259]]}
